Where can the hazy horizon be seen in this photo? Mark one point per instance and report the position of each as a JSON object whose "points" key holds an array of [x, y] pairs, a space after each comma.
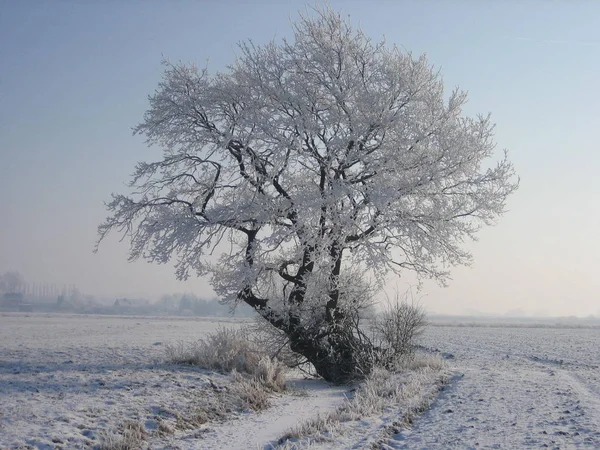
{"points": [[76, 77]]}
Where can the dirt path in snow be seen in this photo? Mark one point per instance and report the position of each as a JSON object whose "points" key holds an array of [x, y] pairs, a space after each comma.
{"points": [[260, 430]]}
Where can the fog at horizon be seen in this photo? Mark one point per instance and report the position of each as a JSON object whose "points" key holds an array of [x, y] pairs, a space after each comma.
{"points": [[74, 80]]}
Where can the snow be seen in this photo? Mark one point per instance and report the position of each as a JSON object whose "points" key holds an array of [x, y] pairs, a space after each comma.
{"points": [[516, 387], [264, 429], [65, 379]]}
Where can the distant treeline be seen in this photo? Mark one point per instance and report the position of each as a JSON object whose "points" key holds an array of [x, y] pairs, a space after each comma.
{"points": [[18, 295], [168, 305], [192, 305]]}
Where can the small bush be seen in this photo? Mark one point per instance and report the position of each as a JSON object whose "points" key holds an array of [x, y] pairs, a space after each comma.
{"points": [[395, 331]]}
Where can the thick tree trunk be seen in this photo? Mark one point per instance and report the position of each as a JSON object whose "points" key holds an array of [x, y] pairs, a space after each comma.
{"points": [[338, 357], [338, 354]]}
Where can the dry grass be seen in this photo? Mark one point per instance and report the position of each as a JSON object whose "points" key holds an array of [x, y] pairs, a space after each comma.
{"points": [[229, 351], [131, 436], [255, 376], [421, 361], [288, 445], [251, 393], [255, 390], [225, 350], [164, 428], [209, 405], [271, 374]]}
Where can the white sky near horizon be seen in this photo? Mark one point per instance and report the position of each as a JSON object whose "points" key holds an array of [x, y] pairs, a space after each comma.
{"points": [[75, 76]]}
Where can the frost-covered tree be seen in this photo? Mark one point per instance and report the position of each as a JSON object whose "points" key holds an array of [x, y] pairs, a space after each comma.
{"points": [[11, 281], [316, 160]]}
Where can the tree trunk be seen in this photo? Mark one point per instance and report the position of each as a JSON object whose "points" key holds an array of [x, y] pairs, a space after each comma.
{"points": [[338, 357]]}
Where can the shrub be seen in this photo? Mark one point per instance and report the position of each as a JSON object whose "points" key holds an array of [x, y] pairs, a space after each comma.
{"points": [[395, 331]]}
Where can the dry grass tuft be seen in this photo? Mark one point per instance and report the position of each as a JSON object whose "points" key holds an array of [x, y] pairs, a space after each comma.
{"points": [[251, 393], [288, 445], [131, 436], [255, 375], [164, 428], [225, 350], [322, 428], [422, 361], [231, 350], [271, 374]]}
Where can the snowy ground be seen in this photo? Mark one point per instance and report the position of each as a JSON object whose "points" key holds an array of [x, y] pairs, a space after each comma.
{"points": [[65, 379], [514, 388]]}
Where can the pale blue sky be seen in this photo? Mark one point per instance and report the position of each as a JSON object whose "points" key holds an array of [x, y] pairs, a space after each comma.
{"points": [[74, 77]]}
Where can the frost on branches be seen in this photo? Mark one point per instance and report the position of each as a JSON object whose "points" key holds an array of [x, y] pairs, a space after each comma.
{"points": [[321, 162]]}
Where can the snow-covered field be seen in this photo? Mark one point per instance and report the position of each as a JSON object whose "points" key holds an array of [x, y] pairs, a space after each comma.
{"points": [[66, 379], [515, 387]]}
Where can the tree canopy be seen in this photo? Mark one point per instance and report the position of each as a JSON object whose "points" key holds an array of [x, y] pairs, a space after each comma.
{"points": [[316, 160]]}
